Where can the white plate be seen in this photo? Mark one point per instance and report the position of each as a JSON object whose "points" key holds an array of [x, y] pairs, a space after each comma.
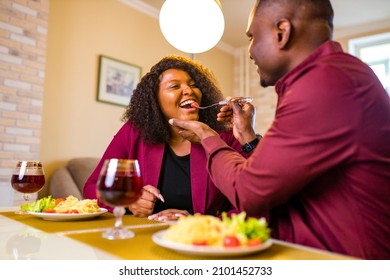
{"points": [[208, 250], [68, 217]]}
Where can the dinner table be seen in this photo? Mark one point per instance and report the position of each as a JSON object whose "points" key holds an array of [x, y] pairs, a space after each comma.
{"points": [[26, 236]]}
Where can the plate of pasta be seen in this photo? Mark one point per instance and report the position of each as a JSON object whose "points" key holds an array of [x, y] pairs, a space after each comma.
{"points": [[203, 235], [211, 251], [68, 216], [60, 209]]}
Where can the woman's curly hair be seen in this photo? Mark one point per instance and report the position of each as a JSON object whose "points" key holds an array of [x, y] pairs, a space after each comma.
{"points": [[144, 111]]}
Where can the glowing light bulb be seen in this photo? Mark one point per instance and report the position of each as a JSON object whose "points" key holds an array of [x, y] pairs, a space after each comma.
{"points": [[192, 26]]}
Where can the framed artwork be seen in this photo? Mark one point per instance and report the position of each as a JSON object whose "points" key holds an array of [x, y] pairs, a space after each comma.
{"points": [[117, 80]]}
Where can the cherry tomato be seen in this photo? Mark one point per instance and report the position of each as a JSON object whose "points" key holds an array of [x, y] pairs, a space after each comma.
{"points": [[74, 211], [199, 243], [58, 201], [254, 242], [231, 241]]}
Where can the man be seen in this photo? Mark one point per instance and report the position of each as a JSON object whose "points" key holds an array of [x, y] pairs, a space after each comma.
{"points": [[322, 170]]}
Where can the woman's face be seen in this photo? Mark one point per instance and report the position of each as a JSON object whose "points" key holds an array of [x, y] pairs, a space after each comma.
{"points": [[176, 92]]}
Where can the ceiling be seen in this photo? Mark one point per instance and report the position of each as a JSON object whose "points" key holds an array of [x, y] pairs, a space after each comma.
{"points": [[348, 13]]}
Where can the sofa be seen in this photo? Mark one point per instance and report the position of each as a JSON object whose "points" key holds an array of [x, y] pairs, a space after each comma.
{"points": [[70, 179]]}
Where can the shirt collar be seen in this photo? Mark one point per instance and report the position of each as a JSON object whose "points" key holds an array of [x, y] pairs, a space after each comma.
{"points": [[326, 48]]}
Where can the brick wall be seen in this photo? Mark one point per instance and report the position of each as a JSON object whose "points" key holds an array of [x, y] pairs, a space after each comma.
{"points": [[23, 31]]}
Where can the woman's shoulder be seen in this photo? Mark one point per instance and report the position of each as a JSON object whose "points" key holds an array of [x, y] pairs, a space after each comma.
{"points": [[134, 135], [129, 132], [129, 127]]}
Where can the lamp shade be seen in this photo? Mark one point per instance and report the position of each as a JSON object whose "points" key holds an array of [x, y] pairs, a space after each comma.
{"points": [[192, 26]]}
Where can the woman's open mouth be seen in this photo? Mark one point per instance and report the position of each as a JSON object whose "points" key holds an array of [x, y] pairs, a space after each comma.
{"points": [[187, 104]]}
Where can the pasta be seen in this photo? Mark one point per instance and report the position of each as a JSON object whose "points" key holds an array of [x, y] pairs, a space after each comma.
{"points": [[81, 206], [199, 229]]}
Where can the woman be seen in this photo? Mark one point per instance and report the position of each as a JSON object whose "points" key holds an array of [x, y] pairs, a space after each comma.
{"points": [[172, 168]]}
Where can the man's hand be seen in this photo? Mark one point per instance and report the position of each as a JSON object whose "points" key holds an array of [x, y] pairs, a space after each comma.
{"points": [[225, 114], [193, 130], [243, 121]]}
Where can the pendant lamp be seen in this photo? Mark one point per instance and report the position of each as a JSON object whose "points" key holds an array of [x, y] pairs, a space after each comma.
{"points": [[192, 26]]}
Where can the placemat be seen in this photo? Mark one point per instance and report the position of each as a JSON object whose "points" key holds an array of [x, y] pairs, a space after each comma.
{"points": [[142, 247]]}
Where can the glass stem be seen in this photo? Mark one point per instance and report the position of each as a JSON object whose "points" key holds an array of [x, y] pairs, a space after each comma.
{"points": [[118, 213], [26, 197]]}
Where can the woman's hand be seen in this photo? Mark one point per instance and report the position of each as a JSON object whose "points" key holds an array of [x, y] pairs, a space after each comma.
{"points": [[144, 206], [168, 215]]}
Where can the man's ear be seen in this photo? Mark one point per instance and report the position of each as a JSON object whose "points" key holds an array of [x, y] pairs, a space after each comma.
{"points": [[283, 29]]}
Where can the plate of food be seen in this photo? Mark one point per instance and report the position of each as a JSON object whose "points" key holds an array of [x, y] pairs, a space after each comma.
{"points": [[203, 235], [59, 209], [68, 216]]}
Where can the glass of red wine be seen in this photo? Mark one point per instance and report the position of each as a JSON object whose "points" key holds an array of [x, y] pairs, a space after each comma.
{"points": [[28, 177], [120, 184]]}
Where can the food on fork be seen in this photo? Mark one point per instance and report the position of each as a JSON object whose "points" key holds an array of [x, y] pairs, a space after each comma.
{"points": [[223, 102], [206, 230], [70, 205], [195, 105]]}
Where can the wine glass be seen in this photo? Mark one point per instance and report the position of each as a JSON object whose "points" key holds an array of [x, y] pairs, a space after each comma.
{"points": [[120, 184], [28, 177]]}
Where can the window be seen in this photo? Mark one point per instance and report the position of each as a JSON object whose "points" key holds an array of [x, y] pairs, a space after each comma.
{"points": [[375, 51]]}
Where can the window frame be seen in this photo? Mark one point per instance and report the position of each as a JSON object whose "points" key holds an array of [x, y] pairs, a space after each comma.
{"points": [[357, 44]]}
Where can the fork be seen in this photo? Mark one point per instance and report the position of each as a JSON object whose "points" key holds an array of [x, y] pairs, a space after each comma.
{"points": [[223, 102]]}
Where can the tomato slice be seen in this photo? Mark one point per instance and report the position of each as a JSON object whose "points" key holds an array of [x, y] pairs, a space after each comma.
{"points": [[231, 241], [58, 201], [199, 243], [74, 211], [49, 211], [254, 242]]}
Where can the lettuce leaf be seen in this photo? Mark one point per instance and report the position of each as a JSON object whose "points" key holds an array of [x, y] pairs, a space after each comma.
{"points": [[39, 205], [249, 227]]}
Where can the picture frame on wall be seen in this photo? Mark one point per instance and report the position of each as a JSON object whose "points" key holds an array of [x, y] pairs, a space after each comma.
{"points": [[117, 80]]}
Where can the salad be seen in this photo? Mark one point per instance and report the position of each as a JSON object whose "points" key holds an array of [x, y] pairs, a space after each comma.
{"points": [[250, 231], [46, 204]]}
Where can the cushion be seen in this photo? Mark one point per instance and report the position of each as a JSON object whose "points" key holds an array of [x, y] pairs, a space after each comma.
{"points": [[63, 185], [70, 179], [80, 169]]}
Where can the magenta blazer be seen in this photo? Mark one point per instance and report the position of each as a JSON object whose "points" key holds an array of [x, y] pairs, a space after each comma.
{"points": [[128, 143]]}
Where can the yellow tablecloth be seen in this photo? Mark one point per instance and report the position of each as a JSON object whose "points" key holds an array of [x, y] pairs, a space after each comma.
{"points": [[141, 247]]}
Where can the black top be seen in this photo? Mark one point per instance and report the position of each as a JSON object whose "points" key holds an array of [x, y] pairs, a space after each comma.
{"points": [[175, 183]]}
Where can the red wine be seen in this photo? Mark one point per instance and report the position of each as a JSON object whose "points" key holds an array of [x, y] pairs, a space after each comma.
{"points": [[28, 183], [125, 190]]}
